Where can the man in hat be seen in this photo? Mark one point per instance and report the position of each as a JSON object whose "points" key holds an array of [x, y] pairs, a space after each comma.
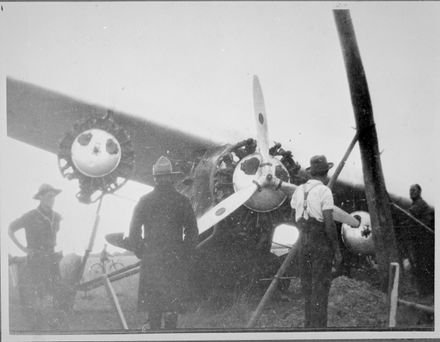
{"points": [[104, 257], [41, 226], [163, 234], [312, 205], [421, 241]]}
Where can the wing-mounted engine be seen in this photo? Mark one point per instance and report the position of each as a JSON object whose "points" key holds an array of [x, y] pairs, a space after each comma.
{"points": [[99, 154], [359, 240]]}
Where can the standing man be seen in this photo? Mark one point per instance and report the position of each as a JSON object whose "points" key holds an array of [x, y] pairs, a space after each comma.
{"points": [[41, 226], [160, 220], [421, 241], [104, 258], [312, 205]]}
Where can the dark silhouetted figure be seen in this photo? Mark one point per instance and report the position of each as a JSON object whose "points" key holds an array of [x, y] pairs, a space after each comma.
{"points": [[421, 254], [163, 234]]}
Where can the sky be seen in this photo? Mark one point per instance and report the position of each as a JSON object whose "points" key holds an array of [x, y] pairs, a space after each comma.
{"points": [[190, 65]]}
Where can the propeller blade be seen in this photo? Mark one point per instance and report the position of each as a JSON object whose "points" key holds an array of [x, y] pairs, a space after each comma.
{"points": [[261, 120], [344, 217], [225, 208]]}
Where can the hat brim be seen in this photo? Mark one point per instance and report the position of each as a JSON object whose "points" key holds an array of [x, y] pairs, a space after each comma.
{"points": [[329, 166], [40, 193], [118, 240]]}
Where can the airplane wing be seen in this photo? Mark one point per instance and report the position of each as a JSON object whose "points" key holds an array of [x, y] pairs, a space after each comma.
{"points": [[41, 117], [351, 197]]}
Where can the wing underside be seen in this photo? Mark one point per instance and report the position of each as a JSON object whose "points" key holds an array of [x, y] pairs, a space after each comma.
{"points": [[41, 117]]}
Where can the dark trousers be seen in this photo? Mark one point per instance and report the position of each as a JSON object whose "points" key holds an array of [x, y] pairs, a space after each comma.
{"points": [[43, 272], [156, 313], [315, 258], [423, 267]]}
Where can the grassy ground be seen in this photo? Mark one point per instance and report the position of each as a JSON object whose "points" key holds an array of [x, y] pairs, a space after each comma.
{"points": [[353, 304]]}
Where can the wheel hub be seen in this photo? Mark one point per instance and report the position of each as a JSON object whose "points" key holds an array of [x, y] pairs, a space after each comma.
{"points": [[248, 170], [96, 153]]}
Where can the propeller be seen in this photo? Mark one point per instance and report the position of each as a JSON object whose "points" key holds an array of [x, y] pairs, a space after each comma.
{"points": [[233, 202], [225, 208], [261, 120], [237, 199], [263, 145]]}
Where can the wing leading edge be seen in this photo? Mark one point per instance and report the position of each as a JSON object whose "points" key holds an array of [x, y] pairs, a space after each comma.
{"points": [[41, 117]]}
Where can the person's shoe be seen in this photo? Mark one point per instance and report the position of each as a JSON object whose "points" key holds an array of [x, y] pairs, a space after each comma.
{"points": [[155, 320], [170, 320], [148, 326], [145, 327]]}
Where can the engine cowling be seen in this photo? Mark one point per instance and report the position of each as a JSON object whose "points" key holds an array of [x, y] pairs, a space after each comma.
{"points": [[359, 240]]}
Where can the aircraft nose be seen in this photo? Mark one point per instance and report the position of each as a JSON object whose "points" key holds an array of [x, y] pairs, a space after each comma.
{"points": [[248, 170]]}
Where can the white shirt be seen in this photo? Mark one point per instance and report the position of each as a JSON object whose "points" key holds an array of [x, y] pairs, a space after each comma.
{"points": [[320, 198]]}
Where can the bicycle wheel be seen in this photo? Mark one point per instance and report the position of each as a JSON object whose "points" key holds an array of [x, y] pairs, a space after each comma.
{"points": [[114, 266], [97, 269]]}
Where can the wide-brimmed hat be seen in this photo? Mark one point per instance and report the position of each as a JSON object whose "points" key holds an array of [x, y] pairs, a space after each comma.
{"points": [[45, 188], [319, 164], [119, 240], [163, 167]]}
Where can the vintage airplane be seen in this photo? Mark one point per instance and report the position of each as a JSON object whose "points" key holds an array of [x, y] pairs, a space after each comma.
{"points": [[237, 220]]}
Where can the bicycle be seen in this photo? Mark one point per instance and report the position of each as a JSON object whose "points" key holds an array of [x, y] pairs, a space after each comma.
{"points": [[106, 267]]}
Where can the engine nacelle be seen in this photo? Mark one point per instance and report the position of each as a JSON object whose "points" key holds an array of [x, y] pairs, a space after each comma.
{"points": [[359, 240], [98, 153]]}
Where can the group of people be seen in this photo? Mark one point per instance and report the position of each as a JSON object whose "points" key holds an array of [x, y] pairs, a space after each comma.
{"points": [[163, 234]]}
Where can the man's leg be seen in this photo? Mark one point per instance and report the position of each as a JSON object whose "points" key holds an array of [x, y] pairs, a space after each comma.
{"points": [[155, 319], [155, 310], [321, 288], [419, 271], [170, 320], [426, 271], [306, 284], [36, 289], [322, 276]]}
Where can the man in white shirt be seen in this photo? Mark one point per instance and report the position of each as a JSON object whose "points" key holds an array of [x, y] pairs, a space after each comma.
{"points": [[312, 205]]}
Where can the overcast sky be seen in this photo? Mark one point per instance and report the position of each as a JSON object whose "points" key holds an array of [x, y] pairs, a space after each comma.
{"points": [[190, 65]]}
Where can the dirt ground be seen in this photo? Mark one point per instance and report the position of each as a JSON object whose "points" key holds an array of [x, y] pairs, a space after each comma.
{"points": [[354, 304]]}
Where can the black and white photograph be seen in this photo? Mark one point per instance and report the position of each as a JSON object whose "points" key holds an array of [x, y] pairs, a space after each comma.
{"points": [[218, 170]]}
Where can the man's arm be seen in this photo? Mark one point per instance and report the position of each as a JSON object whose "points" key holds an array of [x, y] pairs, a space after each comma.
{"points": [[287, 188], [191, 230], [58, 219], [13, 227], [135, 232], [293, 215]]}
